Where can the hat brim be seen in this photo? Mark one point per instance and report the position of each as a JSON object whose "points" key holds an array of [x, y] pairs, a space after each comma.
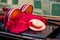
{"points": [[43, 27]]}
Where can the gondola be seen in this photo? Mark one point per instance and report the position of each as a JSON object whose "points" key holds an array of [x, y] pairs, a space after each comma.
{"points": [[52, 31]]}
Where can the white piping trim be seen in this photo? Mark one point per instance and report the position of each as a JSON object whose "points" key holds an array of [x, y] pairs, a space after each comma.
{"points": [[24, 7], [9, 13]]}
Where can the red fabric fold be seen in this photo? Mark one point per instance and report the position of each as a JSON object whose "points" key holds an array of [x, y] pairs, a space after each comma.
{"points": [[22, 24]]}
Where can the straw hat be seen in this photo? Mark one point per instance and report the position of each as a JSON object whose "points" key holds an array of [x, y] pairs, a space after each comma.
{"points": [[37, 25]]}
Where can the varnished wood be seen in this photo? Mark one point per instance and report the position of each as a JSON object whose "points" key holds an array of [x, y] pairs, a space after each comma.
{"points": [[57, 23]]}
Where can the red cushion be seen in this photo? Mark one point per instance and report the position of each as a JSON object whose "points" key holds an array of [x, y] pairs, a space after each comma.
{"points": [[16, 26]]}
